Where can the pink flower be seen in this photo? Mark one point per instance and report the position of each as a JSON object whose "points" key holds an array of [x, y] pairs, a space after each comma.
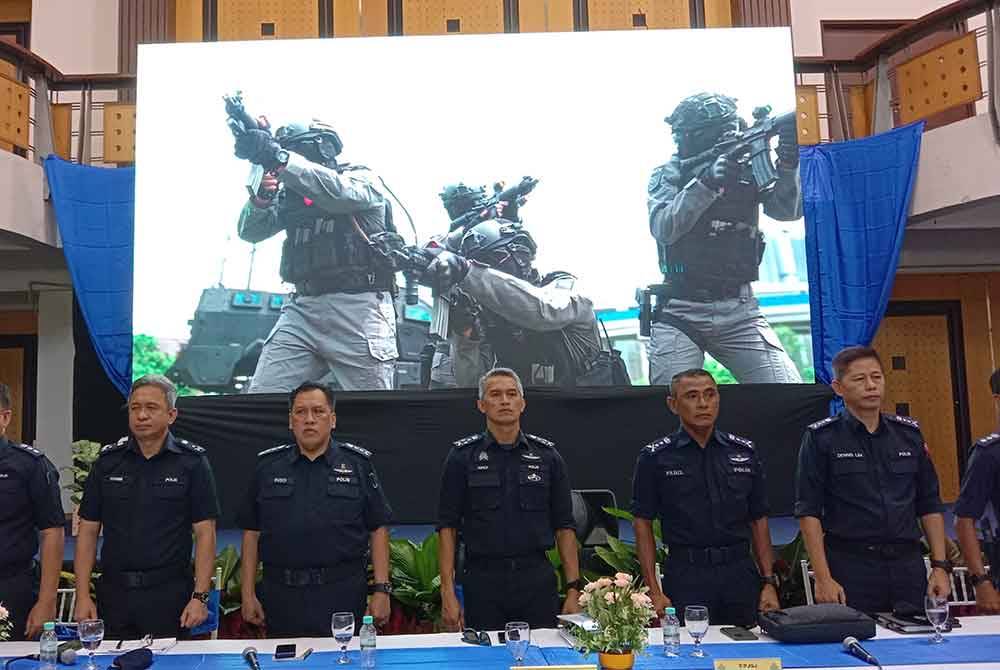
{"points": [[3, 613], [584, 599], [591, 586], [641, 600], [603, 583], [610, 597], [622, 579]]}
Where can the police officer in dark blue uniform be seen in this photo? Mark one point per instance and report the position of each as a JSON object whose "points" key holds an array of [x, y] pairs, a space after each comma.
{"points": [[151, 492], [311, 511], [981, 490], [707, 488], [29, 508], [508, 493], [863, 480]]}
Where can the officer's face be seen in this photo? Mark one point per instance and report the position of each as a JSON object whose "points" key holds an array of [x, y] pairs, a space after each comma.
{"points": [[861, 385], [311, 420], [695, 402], [5, 417], [502, 403], [148, 414]]}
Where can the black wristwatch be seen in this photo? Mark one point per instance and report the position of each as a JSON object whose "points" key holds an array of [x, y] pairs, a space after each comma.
{"points": [[201, 596], [382, 587], [944, 565], [576, 584], [769, 579], [976, 580]]}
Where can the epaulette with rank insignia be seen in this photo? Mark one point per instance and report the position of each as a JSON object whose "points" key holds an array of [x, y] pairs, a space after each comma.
{"points": [[274, 450], [540, 440], [190, 446], [905, 420], [120, 444], [467, 440], [356, 449], [824, 422], [742, 441], [27, 448], [656, 445], [989, 440]]}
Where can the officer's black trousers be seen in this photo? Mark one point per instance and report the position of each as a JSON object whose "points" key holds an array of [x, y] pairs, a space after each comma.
{"points": [[129, 614], [730, 592], [307, 611], [874, 584], [18, 598], [495, 596]]}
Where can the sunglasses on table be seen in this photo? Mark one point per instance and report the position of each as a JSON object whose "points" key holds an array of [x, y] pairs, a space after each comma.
{"points": [[478, 637]]}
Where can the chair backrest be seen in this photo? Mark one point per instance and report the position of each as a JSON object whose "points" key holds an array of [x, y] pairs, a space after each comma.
{"points": [[65, 605], [808, 577]]}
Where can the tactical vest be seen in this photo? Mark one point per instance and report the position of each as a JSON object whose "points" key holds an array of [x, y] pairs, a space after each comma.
{"points": [[724, 247], [327, 248]]}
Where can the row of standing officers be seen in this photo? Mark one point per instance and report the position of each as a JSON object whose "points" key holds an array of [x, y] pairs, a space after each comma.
{"points": [[316, 512]]}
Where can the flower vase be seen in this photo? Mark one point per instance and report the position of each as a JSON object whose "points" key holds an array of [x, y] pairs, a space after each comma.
{"points": [[616, 661]]}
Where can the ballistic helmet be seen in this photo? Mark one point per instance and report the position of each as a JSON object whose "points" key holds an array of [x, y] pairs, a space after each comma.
{"points": [[459, 198], [502, 245], [315, 140], [701, 111]]}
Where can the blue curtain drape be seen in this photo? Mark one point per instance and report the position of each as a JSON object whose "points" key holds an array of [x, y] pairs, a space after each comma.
{"points": [[856, 198], [95, 212]]}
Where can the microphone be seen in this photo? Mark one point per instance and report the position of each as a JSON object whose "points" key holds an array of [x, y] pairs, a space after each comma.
{"points": [[250, 658], [854, 648]]}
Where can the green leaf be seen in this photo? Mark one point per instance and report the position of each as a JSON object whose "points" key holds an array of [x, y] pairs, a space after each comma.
{"points": [[619, 513]]}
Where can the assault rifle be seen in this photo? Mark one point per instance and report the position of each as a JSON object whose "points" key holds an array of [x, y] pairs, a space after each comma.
{"points": [[239, 123], [486, 209]]}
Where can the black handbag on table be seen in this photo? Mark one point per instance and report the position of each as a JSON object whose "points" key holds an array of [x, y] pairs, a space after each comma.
{"points": [[823, 622]]}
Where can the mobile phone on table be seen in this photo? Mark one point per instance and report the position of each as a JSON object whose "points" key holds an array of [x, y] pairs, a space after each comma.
{"points": [[285, 652], [738, 634]]}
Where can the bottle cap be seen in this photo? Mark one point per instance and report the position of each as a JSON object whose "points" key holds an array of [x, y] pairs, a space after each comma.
{"points": [[49, 625], [368, 619], [671, 610]]}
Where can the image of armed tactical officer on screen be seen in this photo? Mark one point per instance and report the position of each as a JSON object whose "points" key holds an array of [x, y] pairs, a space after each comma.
{"points": [[540, 326], [704, 213], [341, 316]]}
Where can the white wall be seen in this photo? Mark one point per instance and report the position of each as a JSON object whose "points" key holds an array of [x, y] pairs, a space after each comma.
{"points": [[959, 163], [22, 209], [77, 36], [54, 398], [807, 14]]}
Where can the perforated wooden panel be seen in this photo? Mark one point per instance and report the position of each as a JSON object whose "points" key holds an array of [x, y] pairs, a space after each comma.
{"points": [[188, 20], [638, 14], [267, 19], [14, 97], [920, 346], [944, 77], [353, 18], [62, 129], [859, 100], [718, 14], [536, 16], [807, 111], [440, 17], [119, 133], [8, 69]]}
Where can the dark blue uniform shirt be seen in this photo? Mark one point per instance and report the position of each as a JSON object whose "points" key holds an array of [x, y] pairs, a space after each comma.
{"points": [[147, 506], [981, 486], [314, 513], [704, 497], [869, 487], [507, 500], [29, 502]]}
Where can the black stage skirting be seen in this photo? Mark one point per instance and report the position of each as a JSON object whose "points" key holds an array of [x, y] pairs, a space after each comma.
{"points": [[599, 432]]}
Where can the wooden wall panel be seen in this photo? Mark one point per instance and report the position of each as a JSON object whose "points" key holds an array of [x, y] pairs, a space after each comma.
{"points": [[62, 129], [119, 133], [267, 19], [141, 22], [761, 13], [807, 110], [8, 69], [12, 374], [188, 19], [14, 104], [440, 17], [15, 11], [859, 100], [939, 79], [545, 15], [638, 14], [718, 14], [19, 322], [373, 19]]}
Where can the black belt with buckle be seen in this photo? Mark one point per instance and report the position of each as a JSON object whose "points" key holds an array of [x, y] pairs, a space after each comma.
{"points": [[701, 292], [144, 579], [507, 563], [328, 574], [709, 555], [347, 283], [883, 550]]}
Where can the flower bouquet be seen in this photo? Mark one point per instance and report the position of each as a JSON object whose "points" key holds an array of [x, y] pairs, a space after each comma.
{"points": [[622, 610], [5, 624]]}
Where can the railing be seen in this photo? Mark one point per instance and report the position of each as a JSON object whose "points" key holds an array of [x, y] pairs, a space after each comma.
{"points": [[79, 111], [940, 68]]}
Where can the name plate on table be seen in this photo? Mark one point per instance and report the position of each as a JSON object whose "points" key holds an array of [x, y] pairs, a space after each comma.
{"points": [[749, 664]]}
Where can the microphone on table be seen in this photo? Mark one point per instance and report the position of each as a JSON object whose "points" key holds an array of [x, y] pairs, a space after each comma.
{"points": [[854, 648], [250, 658]]}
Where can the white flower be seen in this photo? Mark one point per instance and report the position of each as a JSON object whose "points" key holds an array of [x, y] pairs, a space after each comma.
{"points": [[3, 613], [610, 596]]}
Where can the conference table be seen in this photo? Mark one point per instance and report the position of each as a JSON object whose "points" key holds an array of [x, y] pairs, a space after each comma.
{"points": [[976, 645]]}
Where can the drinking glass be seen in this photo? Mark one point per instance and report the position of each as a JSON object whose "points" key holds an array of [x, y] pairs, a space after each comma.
{"points": [[696, 622], [936, 609], [518, 639], [342, 625], [91, 632]]}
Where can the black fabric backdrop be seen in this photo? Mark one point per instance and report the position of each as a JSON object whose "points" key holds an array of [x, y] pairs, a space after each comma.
{"points": [[599, 432]]}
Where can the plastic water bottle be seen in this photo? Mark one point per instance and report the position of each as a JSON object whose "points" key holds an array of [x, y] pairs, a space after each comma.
{"points": [[368, 642], [48, 650], [671, 632]]}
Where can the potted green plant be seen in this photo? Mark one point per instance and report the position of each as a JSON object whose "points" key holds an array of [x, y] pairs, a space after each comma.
{"points": [[85, 452], [416, 585], [622, 610]]}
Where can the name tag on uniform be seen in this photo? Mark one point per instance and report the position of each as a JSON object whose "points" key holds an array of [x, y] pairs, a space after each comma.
{"points": [[748, 664], [280, 480], [343, 480], [4, 475], [171, 480], [482, 467], [743, 469], [904, 454], [849, 454], [116, 478], [674, 473]]}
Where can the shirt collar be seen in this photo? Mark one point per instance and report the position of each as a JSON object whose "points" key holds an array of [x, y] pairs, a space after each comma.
{"points": [[520, 441], [295, 453], [168, 445], [855, 424], [682, 438]]}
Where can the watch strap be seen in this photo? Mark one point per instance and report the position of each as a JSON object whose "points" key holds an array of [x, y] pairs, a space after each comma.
{"points": [[976, 580], [577, 584], [769, 579], [382, 587], [944, 565], [201, 596]]}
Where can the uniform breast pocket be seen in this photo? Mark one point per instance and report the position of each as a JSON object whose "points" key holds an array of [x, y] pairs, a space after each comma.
{"points": [[344, 498], [116, 487], [275, 502], [846, 467], [12, 497], [738, 486], [906, 466], [533, 487], [170, 493], [484, 491]]}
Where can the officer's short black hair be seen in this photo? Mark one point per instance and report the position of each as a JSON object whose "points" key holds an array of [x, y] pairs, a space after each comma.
{"points": [[160, 382], [5, 400], [845, 357], [994, 383], [499, 372], [687, 374], [331, 400]]}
